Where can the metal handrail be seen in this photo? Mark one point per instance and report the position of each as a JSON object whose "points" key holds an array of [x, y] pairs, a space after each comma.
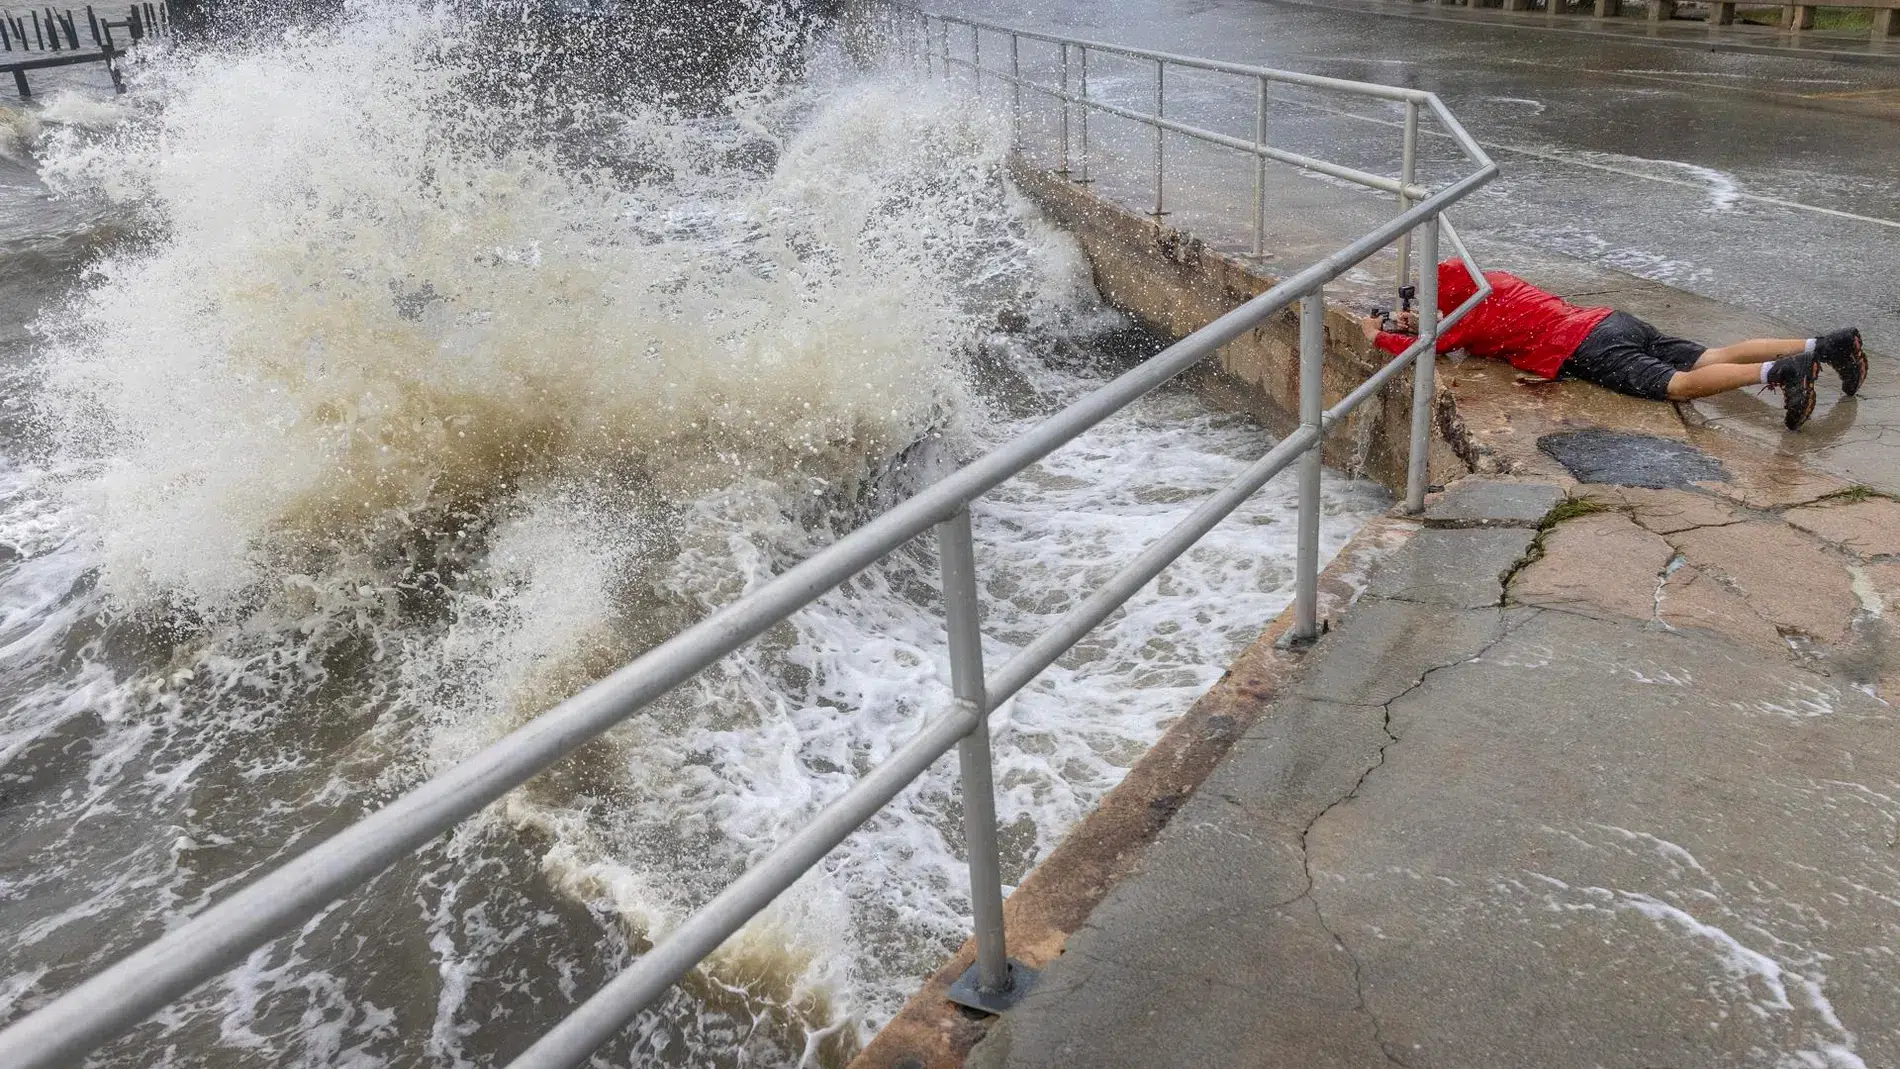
{"points": [[1403, 186], [114, 1001]]}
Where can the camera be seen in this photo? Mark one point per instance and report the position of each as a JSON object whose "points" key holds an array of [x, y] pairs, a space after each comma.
{"points": [[1389, 324]]}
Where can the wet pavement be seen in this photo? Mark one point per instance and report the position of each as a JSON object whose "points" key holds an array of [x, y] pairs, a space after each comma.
{"points": [[1428, 852], [1742, 37], [1717, 187]]}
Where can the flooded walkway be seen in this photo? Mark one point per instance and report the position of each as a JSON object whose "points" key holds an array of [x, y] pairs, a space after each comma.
{"points": [[1590, 810]]}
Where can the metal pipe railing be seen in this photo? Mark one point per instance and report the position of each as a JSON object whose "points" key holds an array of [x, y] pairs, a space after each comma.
{"points": [[115, 1000], [1312, 400], [1175, 59], [1424, 380], [1404, 186], [1213, 137], [1408, 163], [1161, 133]]}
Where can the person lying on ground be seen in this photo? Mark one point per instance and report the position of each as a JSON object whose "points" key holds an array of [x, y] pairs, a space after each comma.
{"points": [[1550, 337]]}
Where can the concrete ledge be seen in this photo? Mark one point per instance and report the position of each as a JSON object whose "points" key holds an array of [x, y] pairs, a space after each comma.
{"points": [[1488, 419], [1056, 899], [1174, 284]]}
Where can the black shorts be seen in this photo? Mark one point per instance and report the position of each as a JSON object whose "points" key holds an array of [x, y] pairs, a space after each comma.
{"points": [[1629, 356]]}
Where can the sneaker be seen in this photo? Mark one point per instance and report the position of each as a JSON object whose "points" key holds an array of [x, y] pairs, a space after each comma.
{"points": [[1794, 376], [1841, 351]]}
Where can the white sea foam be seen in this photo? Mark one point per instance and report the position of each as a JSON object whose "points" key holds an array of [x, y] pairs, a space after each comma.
{"points": [[404, 424], [1782, 987]]}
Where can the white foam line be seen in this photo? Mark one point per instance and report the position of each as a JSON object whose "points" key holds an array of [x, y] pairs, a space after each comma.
{"points": [[1522, 150], [1538, 104], [1670, 850], [1677, 75], [1892, 224], [1739, 961]]}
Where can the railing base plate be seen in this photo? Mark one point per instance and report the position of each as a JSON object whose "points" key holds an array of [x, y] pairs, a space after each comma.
{"points": [[1022, 980], [1289, 641]]}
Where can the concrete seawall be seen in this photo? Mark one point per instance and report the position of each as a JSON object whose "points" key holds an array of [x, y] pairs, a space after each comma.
{"points": [[1173, 283]]}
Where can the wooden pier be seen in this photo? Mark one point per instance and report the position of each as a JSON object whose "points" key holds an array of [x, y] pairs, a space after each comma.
{"points": [[46, 37]]}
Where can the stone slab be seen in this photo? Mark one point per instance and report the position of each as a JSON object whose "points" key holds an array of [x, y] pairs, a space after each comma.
{"points": [[1762, 479], [1493, 503], [1602, 563], [1787, 578], [1386, 647], [1667, 511], [1588, 842], [1451, 569], [1691, 599], [1868, 528]]}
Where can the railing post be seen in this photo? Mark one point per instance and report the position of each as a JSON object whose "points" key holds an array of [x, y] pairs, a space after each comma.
{"points": [[1064, 169], [1016, 88], [973, 753], [1306, 565], [1082, 113], [1260, 170], [1425, 369], [1407, 167], [1161, 135]]}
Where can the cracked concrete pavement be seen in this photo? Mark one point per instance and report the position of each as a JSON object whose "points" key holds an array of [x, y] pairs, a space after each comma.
{"points": [[1608, 793]]}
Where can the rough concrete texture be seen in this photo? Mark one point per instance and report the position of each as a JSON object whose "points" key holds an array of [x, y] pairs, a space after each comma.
{"points": [[1512, 835], [1451, 569], [1665, 511], [1803, 583], [1869, 527], [1492, 503], [1055, 900], [1789, 578], [1598, 563], [1692, 599]]}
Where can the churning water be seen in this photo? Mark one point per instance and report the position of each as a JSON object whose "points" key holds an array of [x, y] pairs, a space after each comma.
{"points": [[367, 411]]}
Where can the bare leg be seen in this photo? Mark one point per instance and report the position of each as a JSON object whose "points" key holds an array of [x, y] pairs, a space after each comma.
{"points": [[1709, 379], [1756, 351]]}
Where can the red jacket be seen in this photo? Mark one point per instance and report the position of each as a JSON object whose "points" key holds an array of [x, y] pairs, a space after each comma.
{"points": [[1518, 322]]}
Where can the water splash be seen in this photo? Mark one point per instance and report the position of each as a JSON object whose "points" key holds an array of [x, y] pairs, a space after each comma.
{"points": [[410, 410]]}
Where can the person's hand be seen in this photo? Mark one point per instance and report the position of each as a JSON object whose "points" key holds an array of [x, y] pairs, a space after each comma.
{"points": [[1408, 322], [1371, 325]]}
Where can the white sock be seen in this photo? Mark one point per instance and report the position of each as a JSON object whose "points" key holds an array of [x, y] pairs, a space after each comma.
{"points": [[1766, 370], [1809, 347]]}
